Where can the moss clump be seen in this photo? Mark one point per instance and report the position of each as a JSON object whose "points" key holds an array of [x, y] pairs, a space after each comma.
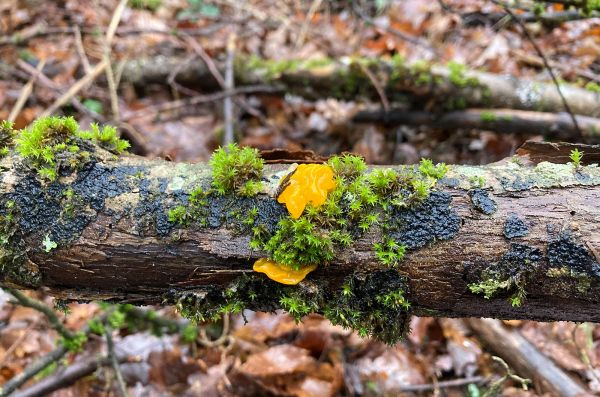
{"points": [[50, 144], [194, 211], [236, 170], [509, 275], [487, 116], [389, 252], [106, 137], [7, 136], [53, 144], [458, 76], [593, 86], [374, 304]]}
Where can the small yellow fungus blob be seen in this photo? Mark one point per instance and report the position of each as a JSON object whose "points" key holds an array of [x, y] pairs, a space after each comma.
{"points": [[310, 183], [281, 273]]}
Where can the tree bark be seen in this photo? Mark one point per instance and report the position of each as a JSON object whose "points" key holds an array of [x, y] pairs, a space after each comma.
{"points": [[118, 244]]}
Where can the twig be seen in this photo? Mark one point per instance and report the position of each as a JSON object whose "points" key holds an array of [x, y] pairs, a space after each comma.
{"points": [[251, 89], [229, 85], [114, 361], [307, 21], [68, 376], [55, 322], [214, 70], [479, 380], [411, 39], [75, 88], [24, 95], [81, 51], [110, 76], [32, 370], [224, 337], [380, 91], [544, 59]]}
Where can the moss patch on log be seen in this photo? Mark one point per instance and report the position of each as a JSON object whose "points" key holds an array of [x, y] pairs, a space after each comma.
{"points": [[508, 276], [375, 304], [401, 205]]}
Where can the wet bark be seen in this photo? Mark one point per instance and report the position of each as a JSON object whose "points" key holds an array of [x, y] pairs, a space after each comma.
{"points": [[118, 244]]}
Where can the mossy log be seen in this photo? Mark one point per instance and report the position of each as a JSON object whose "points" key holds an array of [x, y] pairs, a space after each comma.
{"points": [[449, 87], [533, 228], [507, 121]]}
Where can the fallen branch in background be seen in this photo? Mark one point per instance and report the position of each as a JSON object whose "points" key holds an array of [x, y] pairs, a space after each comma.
{"points": [[524, 357], [421, 84], [506, 121], [70, 374]]}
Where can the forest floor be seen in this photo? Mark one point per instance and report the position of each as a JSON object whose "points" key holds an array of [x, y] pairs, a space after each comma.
{"points": [[271, 354]]}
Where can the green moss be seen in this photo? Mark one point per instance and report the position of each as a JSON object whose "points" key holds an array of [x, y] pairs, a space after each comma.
{"points": [[7, 136], [389, 252], [106, 137], [593, 86], [375, 304], [194, 211], [151, 5], [508, 276], [458, 76], [488, 116], [49, 145], [236, 170]]}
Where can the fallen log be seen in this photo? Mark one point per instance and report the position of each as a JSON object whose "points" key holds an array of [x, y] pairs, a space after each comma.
{"points": [[509, 121], [129, 229], [450, 87]]}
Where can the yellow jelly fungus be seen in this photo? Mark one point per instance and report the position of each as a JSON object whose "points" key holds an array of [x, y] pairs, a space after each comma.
{"points": [[310, 183], [281, 273]]}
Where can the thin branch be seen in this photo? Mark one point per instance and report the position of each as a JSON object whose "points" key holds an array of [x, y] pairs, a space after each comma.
{"points": [[229, 85], [478, 380], [75, 88], [114, 361], [24, 95], [307, 21], [252, 89], [55, 322], [544, 59], [32, 370]]}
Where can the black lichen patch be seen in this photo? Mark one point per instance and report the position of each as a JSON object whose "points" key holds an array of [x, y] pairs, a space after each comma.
{"points": [[565, 252], [515, 227], [432, 220], [374, 304], [234, 212], [150, 211], [508, 276], [41, 207], [13, 260], [482, 201]]}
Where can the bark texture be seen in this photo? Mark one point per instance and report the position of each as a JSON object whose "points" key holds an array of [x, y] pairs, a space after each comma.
{"points": [[114, 240]]}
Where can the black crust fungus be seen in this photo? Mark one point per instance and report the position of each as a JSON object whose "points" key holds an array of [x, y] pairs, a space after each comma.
{"points": [[564, 251], [432, 220], [515, 227], [482, 201]]}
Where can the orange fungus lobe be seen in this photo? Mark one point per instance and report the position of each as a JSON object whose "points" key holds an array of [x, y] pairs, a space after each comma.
{"points": [[281, 273], [310, 183]]}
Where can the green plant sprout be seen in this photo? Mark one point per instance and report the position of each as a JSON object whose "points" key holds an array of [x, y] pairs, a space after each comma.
{"points": [[576, 155]]}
